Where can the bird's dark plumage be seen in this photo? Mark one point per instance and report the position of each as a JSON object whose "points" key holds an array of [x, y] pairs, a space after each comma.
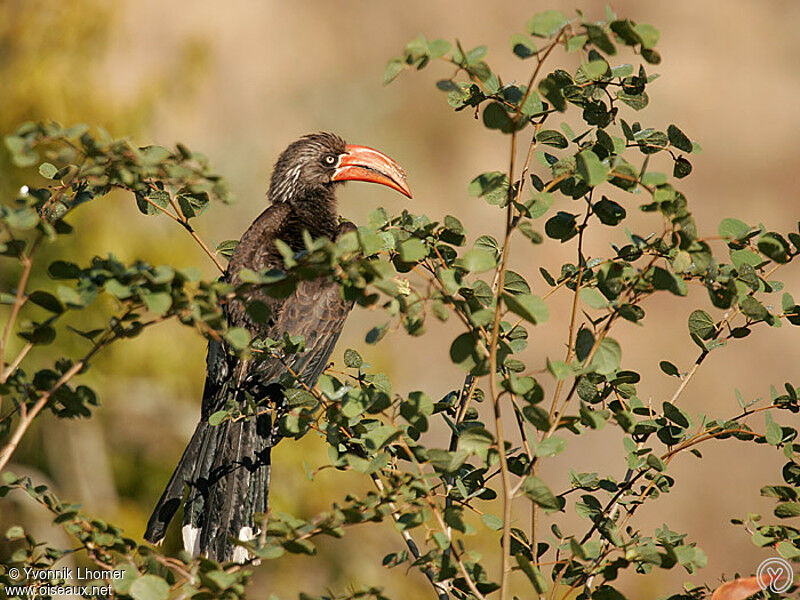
{"points": [[226, 467]]}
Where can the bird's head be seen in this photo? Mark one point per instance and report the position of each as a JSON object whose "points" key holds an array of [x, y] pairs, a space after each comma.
{"points": [[317, 162]]}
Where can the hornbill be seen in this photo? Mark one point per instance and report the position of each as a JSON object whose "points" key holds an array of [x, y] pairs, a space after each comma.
{"points": [[226, 467]]}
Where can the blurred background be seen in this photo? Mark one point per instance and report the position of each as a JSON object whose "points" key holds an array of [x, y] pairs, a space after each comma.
{"points": [[240, 82]]}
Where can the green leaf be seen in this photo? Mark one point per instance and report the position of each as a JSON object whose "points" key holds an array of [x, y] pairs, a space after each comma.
{"points": [[701, 324], [676, 415], [559, 369], [648, 34], [495, 116], [551, 87], [15, 144], [352, 359], [217, 417], [539, 204], [393, 68], [160, 198], [370, 242], [607, 358], [576, 42], [238, 337], [546, 23], [514, 283], [753, 309], [533, 573], [599, 38], [271, 551], [522, 46], [443, 460], [593, 298], [562, 226], [788, 550], [259, 311], [551, 446], [149, 587], [606, 592], [69, 296], [550, 137], [47, 301], [786, 510], [531, 308], [584, 342], [299, 397], [668, 368], [438, 48], [532, 105], [227, 248], [412, 250], [192, 204], [774, 433], [733, 228], [538, 492], [526, 229], [478, 260], [595, 69], [773, 246], [492, 522], [22, 218], [678, 139], [491, 186], [609, 212], [465, 353], [157, 302], [681, 168], [591, 168], [475, 439], [47, 170]]}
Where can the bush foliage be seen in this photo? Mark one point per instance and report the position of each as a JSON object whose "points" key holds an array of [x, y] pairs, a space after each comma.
{"points": [[561, 184]]}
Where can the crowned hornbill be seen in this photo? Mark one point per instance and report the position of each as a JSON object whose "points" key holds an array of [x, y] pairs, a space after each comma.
{"points": [[227, 466]]}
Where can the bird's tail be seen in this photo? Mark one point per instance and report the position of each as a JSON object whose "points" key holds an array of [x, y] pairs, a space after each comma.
{"points": [[226, 468]]}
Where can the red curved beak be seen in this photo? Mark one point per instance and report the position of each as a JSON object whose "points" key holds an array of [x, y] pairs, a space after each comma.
{"points": [[360, 163]]}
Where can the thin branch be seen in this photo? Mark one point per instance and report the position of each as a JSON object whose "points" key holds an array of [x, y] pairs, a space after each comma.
{"points": [[16, 362], [574, 310], [20, 298], [28, 415], [184, 222], [438, 586]]}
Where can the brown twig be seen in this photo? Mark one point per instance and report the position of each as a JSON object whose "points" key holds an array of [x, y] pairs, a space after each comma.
{"points": [[184, 222], [28, 415], [19, 299]]}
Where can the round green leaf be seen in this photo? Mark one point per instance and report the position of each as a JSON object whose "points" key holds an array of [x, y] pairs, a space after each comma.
{"points": [[478, 260], [546, 23], [607, 357], [701, 324], [149, 587], [531, 308], [550, 137], [47, 170], [412, 250], [591, 168]]}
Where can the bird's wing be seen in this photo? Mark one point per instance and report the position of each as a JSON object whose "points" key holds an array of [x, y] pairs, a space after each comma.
{"points": [[315, 310]]}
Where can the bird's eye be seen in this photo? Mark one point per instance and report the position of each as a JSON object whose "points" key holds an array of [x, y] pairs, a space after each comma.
{"points": [[329, 159]]}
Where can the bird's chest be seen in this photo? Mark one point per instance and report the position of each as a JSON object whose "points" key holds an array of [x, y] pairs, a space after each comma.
{"points": [[257, 309]]}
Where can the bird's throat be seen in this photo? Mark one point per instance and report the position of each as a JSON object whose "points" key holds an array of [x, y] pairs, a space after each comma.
{"points": [[315, 213]]}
